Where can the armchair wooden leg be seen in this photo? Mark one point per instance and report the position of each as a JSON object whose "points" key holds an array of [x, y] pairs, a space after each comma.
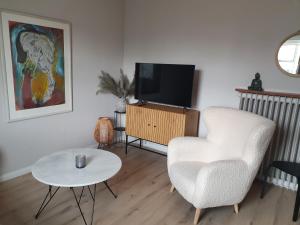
{"points": [[172, 188], [236, 208], [197, 215]]}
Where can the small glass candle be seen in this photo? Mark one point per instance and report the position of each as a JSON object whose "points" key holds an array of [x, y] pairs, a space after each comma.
{"points": [[80, 161]]}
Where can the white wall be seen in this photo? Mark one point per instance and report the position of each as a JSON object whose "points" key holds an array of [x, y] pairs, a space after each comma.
{"points": [[97, 44], [228, 41]]}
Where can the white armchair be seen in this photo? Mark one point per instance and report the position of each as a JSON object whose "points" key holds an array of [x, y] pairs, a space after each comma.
{"points": [[220, 169]]}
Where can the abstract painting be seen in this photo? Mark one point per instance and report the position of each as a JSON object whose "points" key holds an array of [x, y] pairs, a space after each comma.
{"points": [[38, 65]]}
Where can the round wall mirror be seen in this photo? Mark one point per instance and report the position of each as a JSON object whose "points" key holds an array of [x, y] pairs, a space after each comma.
{"points": [[288, 55]]}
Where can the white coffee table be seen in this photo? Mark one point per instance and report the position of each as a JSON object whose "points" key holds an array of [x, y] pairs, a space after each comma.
{"points": [[58, 170]]}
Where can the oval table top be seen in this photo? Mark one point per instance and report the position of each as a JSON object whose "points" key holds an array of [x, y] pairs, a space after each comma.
{"points": [[59, 169]]}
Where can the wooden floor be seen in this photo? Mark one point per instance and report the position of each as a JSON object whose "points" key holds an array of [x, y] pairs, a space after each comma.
{"points": [[144, 199]]}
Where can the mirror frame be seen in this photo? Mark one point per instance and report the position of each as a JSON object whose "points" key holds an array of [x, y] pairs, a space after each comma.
{"points": [[276, 56]]}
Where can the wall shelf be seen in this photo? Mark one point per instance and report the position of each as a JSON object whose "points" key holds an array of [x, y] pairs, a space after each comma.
{"points": [[269, 93]]}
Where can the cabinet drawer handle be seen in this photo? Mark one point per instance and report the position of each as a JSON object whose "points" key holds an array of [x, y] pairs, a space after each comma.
{"points": [[154, 125]]}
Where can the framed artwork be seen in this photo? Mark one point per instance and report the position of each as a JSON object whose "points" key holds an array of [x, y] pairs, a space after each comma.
{"points": [[37, 59]]}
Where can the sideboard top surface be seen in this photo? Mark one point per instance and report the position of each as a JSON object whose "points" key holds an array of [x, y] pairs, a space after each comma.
{"points": [[269, 93]]}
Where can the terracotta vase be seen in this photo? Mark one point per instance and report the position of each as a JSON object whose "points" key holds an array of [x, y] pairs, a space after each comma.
{"points": [[104, 132]]}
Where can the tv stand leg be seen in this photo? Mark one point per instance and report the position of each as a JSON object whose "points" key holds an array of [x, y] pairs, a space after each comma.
{"points": [[126, 145]]}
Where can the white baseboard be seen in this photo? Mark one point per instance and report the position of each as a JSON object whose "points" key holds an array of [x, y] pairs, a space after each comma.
{"points": [[14, 174]]}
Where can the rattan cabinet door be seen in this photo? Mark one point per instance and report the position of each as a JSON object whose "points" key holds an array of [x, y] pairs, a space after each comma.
{"points": [[168, 125], [138, 122]]}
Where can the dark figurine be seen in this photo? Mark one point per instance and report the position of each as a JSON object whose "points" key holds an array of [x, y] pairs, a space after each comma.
{"points": [[256, 84]]}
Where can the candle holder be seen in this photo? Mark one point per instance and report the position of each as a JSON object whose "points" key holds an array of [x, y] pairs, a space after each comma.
{"points": [[80, 161]]}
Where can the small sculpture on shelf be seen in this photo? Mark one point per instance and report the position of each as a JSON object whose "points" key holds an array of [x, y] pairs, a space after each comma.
{"points": [[256, 84]]}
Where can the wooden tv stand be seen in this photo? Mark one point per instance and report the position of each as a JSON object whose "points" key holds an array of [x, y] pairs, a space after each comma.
{"points": [[160, 123]]}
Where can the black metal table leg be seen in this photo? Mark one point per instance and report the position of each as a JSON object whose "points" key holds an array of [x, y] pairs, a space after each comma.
{"points": [[292, 168], [140, 143], [91, 193], [126, 145], [297, 203], [94, 200], [105, 182], [80, 193], [45, 201], [78, 204]]}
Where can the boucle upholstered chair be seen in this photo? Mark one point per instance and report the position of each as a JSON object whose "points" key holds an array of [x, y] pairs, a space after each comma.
{"points": [[219, 170]]}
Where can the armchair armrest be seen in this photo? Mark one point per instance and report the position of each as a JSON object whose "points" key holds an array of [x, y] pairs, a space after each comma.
{"points": [[223, 182], [189, 149]]}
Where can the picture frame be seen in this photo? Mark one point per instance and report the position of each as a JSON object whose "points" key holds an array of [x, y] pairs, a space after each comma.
{"points": [[37, 62]]}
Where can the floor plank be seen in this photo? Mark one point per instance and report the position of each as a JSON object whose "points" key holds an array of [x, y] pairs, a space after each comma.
{"points": [[143, 188]]}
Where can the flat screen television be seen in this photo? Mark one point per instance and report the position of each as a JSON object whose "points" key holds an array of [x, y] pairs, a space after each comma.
{"points": [[164, 83]]}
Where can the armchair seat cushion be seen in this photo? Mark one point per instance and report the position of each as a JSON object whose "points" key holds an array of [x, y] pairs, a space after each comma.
{"points": [[183, 175]]}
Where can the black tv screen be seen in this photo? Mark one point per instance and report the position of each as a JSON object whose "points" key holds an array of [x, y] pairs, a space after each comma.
{"points": [[164, 83]]}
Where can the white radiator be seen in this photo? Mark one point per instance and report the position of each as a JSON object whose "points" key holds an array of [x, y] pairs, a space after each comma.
{"points": [[285, 145]]}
